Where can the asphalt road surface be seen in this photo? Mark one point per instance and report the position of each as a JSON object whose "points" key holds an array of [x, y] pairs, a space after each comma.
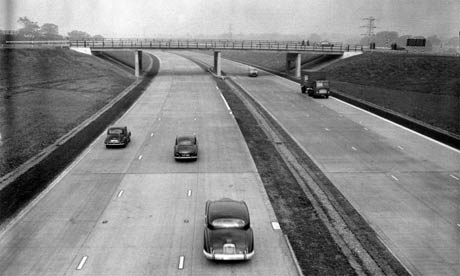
{"points": [[406, 186], [136, 211]]}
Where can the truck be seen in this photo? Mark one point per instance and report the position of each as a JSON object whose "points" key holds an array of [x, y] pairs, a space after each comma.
{"points": [[314, 83]]}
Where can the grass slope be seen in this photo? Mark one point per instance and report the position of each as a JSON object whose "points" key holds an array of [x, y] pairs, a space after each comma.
{"points": [[60, 87], [426, 88]]}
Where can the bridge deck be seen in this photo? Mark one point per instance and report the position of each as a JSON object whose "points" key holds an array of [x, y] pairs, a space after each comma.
{"points": [[179, 44]]}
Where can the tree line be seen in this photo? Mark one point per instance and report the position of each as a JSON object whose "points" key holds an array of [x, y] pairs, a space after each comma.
{"points": [[31, 30]]}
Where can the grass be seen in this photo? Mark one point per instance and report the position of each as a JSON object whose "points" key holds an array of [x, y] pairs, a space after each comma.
{"points": [[60, 87], [426, 88]]}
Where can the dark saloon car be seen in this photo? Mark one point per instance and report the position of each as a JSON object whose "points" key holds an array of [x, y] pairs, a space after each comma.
{"points": [[117, 136], [186, 147], [252, 72], [227, 234]]}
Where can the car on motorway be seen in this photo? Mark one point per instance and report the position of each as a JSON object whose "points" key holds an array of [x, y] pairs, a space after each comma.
{"points": [[186, 147], [228, 234], [252, 72], [117, 136]]}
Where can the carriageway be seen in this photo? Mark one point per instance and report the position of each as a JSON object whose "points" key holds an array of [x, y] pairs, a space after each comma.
{"points": [[293, 49]]}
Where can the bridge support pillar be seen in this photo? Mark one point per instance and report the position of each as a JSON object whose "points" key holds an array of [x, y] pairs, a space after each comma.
{"points": [[137, 63], [217, 63], [297, 59]]}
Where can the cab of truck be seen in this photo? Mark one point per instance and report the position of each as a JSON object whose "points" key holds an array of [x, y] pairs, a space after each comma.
{"points": [[314, 83]]}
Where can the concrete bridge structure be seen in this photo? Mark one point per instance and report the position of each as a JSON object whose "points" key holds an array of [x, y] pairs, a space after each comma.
{"points": [[293, 49]]}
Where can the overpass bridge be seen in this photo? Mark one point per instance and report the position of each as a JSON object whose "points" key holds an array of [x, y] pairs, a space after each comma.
{"points": [[293, 49]]}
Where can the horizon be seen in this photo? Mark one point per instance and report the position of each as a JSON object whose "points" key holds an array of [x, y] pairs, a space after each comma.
{"points": [[182, 18]]}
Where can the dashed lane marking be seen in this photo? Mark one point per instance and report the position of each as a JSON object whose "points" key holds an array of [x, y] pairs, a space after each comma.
{"points": [[353, 148], [189, 193], [454, 177], [120, 193], [394, 177], [276, 225], [181, 262], [82, 262], [401, 148], [140, 157]]}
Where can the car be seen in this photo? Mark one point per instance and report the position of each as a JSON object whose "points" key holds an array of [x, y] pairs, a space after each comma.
{"points": [[186, 147], [227, 234], [117, 136], [252, 72]]}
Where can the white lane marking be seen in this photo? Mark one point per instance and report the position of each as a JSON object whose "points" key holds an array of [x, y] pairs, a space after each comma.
{"points": [[82, 262], [194, 119], [189, 193], [49, 188], [276, 225], [454, 177], [366, 128], [120, 193], [181, 262], [217, 87], [353, 148], [140, 157], [151, 134], [401, 148], [458, 224], [226, 104], [394, 177], [400, 126], [326, 129]]}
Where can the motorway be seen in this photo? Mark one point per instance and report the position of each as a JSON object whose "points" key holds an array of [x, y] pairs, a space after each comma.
{"points": [[136, 211], [406, 186]]}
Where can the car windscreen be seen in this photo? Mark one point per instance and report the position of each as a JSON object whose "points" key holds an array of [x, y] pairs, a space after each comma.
{"points": [[228, 223], [115, 131]]}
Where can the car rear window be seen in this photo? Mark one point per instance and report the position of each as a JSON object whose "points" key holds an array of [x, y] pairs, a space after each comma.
{"points": [[185, 142], [115, 131], [228, 223]]}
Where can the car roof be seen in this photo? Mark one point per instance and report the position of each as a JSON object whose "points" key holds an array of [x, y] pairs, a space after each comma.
{"points": [[228, 208], [185, 137]]}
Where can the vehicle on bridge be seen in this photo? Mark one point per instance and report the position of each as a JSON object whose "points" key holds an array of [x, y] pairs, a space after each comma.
{"points": [[186, 147], [252, 72], [314, 83], [228, 234], [117, 136]]}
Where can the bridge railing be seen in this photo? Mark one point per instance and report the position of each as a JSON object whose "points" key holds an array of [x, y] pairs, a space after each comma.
{"points": [[205, 44], [213, 44]]}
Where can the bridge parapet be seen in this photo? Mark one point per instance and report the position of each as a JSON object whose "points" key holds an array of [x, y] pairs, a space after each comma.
{"points": [[201, 44]]}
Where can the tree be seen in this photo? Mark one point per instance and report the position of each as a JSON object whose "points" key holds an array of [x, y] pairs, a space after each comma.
{"points": [[50, 31], [434, 40], [98, 37], [30, 29], [79, 35]]}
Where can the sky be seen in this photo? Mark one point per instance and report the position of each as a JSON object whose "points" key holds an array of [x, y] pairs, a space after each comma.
{"points": [[189, 18]]}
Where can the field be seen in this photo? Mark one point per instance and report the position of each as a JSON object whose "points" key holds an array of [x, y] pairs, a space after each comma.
{"points": [[426, 88], [60, 87]]}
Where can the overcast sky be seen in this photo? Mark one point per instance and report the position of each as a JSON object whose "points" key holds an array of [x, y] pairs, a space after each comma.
{"points": [[150, 18]]}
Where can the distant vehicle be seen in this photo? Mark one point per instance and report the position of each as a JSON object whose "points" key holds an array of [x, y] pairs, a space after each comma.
{"points": [[326, 44], [227, 234], [117, 136], [252, 72], [314, 83], [186, 147]]}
